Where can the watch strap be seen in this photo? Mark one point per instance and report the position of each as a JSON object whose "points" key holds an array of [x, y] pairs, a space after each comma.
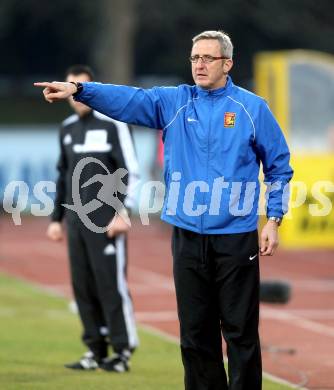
{"points": [[276, 219], [79, 88]]}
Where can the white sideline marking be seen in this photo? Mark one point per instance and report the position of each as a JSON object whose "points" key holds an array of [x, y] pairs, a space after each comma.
{"points": [[295, 320], [146, 289], [313, 285], [156, 279], [157, 332], [282, 381], [51, 313], [321, 314], [7, 312], [156, 316]]}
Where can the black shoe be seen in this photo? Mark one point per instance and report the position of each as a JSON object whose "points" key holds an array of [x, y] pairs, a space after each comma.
{"points": [[87, 362], [117, 363]]}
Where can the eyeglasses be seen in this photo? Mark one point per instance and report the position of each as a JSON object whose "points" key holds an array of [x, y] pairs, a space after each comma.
{"points": [[206, 58]]}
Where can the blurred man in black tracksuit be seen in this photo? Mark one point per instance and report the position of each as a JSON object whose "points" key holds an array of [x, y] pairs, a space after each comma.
{"points": [[98, 261]]}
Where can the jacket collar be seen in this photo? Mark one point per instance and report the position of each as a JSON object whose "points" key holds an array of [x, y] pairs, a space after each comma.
{"points": [[216, 92]]}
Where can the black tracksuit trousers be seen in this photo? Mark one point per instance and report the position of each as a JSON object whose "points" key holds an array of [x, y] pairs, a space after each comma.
{"points": [[98, 273], [217, 289]]}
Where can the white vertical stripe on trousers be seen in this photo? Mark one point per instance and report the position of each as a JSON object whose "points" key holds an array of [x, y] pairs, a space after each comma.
{"points": [[123, 290]]}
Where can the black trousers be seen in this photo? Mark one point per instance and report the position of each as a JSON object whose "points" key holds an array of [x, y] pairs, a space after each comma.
{"points": [[98, 272], [217, 289]]}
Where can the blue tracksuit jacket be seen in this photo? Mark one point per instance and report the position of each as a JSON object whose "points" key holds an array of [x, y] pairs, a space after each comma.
{"points": [[214, 141]]}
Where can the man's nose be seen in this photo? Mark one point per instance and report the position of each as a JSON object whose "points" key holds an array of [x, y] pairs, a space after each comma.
{"points": [[200, 64]]}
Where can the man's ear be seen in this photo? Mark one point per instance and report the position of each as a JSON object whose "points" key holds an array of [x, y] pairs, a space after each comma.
{"points": [[227, 65]]}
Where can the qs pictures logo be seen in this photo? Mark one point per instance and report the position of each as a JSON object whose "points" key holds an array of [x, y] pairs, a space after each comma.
{"points": [[111, 185]]}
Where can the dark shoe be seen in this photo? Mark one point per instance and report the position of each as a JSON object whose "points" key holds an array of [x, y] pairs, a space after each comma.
{"points": [[117, 363], [87, 362]]}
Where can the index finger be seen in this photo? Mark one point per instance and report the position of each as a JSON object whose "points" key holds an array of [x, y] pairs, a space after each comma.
{"points": [[43, 84]]}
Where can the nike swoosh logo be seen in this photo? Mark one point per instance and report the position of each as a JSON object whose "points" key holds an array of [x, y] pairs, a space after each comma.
{"points": [[252, 257], [192, 120]]}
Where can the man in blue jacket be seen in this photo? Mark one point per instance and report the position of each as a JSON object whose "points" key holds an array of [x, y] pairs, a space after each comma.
{"points": [[215, 136]]}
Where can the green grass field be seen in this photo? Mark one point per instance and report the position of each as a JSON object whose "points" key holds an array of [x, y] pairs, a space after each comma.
{"points": [[38, 334]]}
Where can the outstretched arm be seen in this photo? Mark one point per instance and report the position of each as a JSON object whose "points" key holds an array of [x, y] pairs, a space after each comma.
{"points": [[56, 90], [154, 107]]}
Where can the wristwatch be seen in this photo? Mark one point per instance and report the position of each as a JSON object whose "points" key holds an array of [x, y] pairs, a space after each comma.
{"points": [[276, 219], [79, 88]]}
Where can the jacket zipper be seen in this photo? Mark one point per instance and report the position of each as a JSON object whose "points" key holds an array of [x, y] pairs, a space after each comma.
{"points": [[207, 161]]}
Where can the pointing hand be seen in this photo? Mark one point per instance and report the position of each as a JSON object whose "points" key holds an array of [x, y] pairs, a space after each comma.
{"points": [[56, 90]]}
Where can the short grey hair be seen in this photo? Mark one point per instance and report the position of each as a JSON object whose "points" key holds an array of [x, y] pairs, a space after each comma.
{"points": [[224, 40]]}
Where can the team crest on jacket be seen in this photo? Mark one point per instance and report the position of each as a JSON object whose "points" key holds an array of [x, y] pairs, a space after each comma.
{"points": [[229, 119]]}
